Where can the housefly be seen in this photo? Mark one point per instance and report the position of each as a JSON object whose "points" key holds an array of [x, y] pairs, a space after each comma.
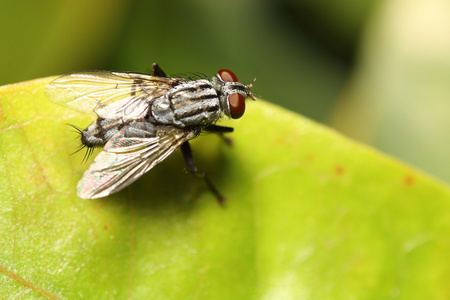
{"points": [[142, 119]]}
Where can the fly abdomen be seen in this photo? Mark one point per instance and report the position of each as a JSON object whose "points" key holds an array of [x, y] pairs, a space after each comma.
{"points": [[139, 129], [99, 132], [102, 130]]}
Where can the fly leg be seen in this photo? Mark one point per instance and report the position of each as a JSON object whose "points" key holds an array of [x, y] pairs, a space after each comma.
{"points": [[157, 71], [187, 154], [220, 130]]}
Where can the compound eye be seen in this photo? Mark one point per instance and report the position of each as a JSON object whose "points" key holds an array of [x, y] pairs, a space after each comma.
{"points": [[227, 76], [237, 105]]}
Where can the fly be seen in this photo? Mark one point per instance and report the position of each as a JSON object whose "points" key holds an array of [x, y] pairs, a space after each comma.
{"points": [[142, 119]]}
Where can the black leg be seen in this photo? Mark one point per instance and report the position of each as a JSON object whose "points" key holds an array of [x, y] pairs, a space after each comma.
{"points": [[187, 154], [157, 71], [220, 130]]}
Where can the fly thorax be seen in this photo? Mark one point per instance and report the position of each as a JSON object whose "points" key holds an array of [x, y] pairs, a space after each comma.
{"points": [[189, 104]]}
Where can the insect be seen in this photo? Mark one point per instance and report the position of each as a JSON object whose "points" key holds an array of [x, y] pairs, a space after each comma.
{"points": [[142, 119]]}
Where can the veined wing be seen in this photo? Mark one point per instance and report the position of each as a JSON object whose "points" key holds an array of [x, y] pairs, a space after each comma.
{"points": [[125, 159], [108, 94]]}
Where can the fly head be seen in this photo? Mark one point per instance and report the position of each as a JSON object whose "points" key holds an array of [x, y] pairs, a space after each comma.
{"points": [[232, 93]]}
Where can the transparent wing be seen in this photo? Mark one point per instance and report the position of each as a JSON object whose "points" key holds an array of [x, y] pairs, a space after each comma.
{"points": [[125, 159], [108, 94]]}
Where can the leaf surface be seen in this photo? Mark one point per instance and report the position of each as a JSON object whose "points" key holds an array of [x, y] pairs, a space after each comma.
{"points": [[310, 215]]}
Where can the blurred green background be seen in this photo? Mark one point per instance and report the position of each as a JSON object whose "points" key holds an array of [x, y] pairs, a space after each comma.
{"points": [[378, 71]]}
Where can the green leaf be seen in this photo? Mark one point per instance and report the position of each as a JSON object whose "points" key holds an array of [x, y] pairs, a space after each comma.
{"points": [[310, 215]]}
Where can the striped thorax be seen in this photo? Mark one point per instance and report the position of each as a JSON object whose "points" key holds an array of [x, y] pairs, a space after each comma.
{"points": [[201, 102]]}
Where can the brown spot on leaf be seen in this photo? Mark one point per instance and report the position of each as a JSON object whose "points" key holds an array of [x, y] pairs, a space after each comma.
{"points": [[2, 119], [339, 170], [408, 180]]}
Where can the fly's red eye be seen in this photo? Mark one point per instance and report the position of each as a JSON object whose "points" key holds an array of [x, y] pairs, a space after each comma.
{"points": [[237, 105], [227, 76]]}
